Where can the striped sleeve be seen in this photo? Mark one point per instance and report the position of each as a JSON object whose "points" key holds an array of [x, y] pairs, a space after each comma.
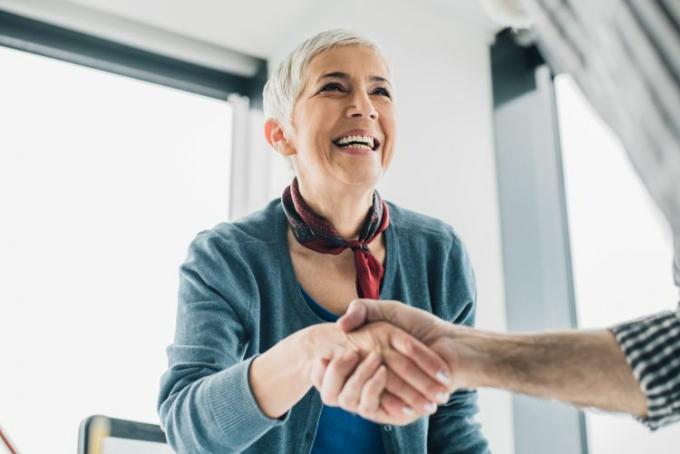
{"points": [[652, 348]]}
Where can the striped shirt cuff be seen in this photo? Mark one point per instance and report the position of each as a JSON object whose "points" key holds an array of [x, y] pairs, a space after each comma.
{"points": [[651, 346]]}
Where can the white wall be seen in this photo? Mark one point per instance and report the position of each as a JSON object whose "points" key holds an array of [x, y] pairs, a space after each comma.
{"points": [[444, 165]]}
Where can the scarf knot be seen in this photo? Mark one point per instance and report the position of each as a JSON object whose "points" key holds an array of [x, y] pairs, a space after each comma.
{"points": [[357, 245], [316, 233]]}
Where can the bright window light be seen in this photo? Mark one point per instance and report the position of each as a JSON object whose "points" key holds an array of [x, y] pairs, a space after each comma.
{"points": [[621, 251], [104, 182]]}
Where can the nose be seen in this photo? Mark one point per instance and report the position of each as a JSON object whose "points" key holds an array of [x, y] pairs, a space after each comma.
{"points": [[361, 106]]}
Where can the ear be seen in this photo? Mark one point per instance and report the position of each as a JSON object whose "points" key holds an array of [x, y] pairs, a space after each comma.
{"points": [[276, 137]]}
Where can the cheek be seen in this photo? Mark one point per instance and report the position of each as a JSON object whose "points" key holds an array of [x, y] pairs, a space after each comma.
{"points": [[390, 129], [388, 119]]}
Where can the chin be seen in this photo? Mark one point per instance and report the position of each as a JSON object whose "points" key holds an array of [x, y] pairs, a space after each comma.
{"points": [[364, 178]]}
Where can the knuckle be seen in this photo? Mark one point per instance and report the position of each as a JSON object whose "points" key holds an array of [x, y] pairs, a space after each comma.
{"points": [[332, 368], [372, 386], [345, 402], [328, 398], [364, 411], [408, 346]]}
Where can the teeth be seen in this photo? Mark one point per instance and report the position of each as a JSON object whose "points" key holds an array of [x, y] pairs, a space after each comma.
{"points": [[367, 140], [359, 145]]}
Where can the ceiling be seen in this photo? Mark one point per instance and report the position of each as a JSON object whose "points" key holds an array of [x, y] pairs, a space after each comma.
{"points": [[254, 26]]}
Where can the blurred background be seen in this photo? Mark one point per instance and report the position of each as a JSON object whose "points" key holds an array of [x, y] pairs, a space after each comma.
{"points": [[126, 127]]}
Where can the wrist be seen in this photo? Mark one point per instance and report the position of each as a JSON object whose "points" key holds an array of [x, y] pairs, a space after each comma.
{"points": [[473, 358], [316, 342], [280, 376]]}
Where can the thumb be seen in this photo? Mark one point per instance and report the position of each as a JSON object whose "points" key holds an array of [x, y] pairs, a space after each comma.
{"points": [[358, 313]]}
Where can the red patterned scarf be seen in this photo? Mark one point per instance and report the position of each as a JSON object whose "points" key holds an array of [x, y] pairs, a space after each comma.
{"points": [[316, 233]]}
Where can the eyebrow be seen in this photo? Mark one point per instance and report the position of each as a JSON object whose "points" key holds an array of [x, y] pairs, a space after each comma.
{"points": [[345, 76]]}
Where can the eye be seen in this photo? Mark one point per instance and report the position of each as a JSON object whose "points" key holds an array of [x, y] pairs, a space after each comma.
{"points": [[382, 91], [333, 86]]}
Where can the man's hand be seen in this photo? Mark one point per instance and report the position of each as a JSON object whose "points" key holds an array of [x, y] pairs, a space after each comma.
{"points": [[378, 371], [432, 331], [416, 322]]}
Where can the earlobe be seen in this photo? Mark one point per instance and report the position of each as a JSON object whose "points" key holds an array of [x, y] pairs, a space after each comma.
{"points": [[276, 137]]}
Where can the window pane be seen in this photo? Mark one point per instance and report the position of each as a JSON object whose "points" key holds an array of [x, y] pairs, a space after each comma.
{"points": [[104, 181], [621, 251]]}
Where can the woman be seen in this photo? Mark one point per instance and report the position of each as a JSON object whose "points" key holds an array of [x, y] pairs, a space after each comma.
{"points": [[254, 294]]}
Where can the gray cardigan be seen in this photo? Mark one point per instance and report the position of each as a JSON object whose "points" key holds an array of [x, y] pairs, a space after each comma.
{"points": [[239, 296]]}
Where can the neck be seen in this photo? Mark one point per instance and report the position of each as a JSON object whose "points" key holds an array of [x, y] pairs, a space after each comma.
{"points": [[345, 209]]}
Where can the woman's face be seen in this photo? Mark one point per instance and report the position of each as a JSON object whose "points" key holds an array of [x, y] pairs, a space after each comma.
{"points": [[343, 125]]}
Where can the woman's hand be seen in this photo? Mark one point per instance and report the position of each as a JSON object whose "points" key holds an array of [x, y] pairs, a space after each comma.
{"points": [[365, 370], [353, 380]]}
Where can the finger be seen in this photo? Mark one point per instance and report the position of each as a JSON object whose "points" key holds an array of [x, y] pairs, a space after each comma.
{"points": [[369, 401], [318, 371], [397, 411], [427, 360], [336, 374], [415, 378], [354, 317], [350, 395], [412, 398]]}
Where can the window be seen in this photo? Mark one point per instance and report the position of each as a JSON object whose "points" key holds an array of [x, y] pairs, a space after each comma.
{"points": [[621, 251], [104, 181]]}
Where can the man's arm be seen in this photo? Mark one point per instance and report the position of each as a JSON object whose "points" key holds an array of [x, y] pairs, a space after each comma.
{"points": [[586, 368]]}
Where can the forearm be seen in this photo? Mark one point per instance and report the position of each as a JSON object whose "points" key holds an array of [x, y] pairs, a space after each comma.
{"points": [[280, 377], [586, 368]]}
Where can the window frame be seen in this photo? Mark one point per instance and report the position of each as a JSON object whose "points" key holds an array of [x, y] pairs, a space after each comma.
{"points": [[243, 92], [538, 278], [53, 41]]}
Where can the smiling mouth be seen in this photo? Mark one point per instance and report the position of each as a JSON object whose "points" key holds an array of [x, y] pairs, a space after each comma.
{"points": [[360, 142]]}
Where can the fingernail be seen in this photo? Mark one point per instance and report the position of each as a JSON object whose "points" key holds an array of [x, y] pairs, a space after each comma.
{"points": [[443, 377], [442, 398], [408, 411], [430, 408]]}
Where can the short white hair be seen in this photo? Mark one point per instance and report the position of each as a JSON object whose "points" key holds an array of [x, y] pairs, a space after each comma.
{"points": [[285, 84]]}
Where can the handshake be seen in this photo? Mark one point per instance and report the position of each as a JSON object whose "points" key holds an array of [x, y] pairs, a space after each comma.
{"points": [[402, 362], [392, 363]]}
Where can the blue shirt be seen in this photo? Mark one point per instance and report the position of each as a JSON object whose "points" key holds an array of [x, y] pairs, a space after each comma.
{"points": [[338, 428]]}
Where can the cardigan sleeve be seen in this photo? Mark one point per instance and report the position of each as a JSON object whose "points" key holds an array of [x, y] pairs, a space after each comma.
{"points": [[452, 429], [205, 402]]}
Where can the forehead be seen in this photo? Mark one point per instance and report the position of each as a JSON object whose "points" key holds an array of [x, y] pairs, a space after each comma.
{"points": [[357, 61]]}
